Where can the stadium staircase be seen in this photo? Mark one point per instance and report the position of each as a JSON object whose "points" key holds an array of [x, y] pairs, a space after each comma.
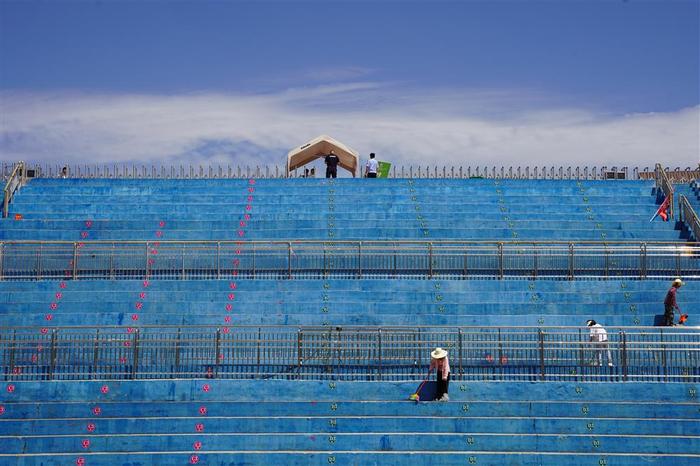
{"points": [[250, 423], [540, 210], [304, 422]]}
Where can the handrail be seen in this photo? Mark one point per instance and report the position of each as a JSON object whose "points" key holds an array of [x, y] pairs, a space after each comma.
{"points": [[204, 260], [664, 184], [133, 171], [17, 178], [335, 353], [689, 216]]}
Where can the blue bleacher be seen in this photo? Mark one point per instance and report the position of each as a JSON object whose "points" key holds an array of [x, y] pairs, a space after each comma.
{"points": [[217, 422], [56, 209], [328, 421]]}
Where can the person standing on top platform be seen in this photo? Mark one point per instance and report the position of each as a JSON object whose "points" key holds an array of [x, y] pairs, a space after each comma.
{"points": [[332, 161], [371, 167], [670, 302]]}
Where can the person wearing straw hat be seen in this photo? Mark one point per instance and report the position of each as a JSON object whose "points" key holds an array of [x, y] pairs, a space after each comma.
{"points": [[439, 362], [670, 302]]}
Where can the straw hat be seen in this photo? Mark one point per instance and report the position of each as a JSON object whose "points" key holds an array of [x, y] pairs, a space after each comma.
{"points": [[438, 353], [678, 282], [590, 322]]}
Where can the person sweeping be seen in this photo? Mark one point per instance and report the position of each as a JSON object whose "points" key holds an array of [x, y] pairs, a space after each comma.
{"points": [[439, 362]]}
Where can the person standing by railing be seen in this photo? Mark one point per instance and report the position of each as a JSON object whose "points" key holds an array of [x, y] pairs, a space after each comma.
{"points": [[599, 338], [371, 167], [439, 362], [670, 302]]}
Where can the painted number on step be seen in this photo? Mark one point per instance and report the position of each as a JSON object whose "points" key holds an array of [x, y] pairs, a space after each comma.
{"points": [[596, 443], [472, 460]]}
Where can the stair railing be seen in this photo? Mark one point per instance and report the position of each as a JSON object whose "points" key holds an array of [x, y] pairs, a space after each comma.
{"points": [[688, 215], [664, 184], [17, 178]]}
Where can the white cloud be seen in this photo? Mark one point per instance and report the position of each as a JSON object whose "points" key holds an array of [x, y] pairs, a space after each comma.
{"points": [[488, 127]]}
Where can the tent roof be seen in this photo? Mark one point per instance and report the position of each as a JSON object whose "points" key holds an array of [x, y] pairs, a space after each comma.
{"points": [[320, 147]]}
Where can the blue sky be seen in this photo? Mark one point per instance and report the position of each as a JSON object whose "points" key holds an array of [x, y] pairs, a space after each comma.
{"points": [[508, 81]]}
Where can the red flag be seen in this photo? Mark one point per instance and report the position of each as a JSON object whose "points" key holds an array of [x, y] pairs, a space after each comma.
{"points": [[662, 211]]}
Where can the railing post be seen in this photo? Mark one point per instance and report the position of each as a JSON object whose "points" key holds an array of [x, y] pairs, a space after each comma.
{"points": [[13, 349], [359, 259], [182, 249], [643, 261], [218, 260], [75, 261], [95, 354], [459, 345], [299, 353], [177, 352], [258, 350], [571, 261], [38, 261], [146, 263], [2, 261], [663, 355], [111, 262], [135, 361], [325, 261], [581, 352], [623, 355], [54, 353], [379, 352], [430, 260], [253, 258], [217, 351], [534, 260], [289, 260], [500, 260], [540, 334]]}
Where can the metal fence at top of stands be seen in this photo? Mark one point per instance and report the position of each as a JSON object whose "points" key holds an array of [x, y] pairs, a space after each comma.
{"points": [[349, 353], [183, 260], [676, 174]]}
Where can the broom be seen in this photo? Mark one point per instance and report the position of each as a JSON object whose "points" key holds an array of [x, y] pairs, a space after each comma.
{"points": [[416, 396]]}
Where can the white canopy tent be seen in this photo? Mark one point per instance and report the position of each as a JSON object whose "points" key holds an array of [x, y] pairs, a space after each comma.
{"points": [[320, 147]]}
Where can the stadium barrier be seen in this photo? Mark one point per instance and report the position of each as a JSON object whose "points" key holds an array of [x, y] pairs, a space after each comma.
{"points": [[664, 186], [16, 178], [348, 353], [277, 171], [40, 260], [689, 217]]}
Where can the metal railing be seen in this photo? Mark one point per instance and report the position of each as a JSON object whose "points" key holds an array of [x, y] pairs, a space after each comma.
{"points": [[16, 179], [397, 171], [689, 217], [349, 353], [180, 260], [664, 185]]}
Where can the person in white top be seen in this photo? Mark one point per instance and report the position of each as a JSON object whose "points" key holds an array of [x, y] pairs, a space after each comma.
{"points": [[599, 338], [371, 167]]}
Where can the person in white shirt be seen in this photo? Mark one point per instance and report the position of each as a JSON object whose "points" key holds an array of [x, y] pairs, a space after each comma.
{"points": [[599, 338], [371, 167]]}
